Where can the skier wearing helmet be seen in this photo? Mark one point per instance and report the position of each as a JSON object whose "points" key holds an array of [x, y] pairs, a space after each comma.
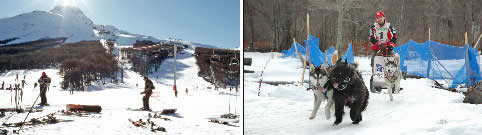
{"points": [[381, 32]]}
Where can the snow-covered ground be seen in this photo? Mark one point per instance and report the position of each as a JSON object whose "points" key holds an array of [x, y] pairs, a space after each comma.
{"points": [[193, 108], [419, 109]]}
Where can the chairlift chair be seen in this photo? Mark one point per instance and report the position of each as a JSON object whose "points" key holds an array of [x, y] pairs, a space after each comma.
{"points": [[234, 62]]}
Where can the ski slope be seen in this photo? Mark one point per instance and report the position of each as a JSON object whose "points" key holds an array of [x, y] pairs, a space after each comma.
{"points": [[193, 108], [418, 110]]}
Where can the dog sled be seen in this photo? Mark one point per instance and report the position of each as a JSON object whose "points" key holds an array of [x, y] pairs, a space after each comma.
{"points": [[378, 79]]}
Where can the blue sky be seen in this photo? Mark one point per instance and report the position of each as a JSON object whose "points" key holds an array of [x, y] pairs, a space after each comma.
{"points": [[214, 22]]}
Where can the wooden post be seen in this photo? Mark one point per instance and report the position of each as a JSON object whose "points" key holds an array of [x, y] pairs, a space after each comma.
{"points": [[477, 43], [307, 45], [467, 66], [428, 33], [429, 64], [296, 48]]}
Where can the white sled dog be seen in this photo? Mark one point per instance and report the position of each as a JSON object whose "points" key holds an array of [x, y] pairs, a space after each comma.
{"points": [[319, 77], [393, 74]]}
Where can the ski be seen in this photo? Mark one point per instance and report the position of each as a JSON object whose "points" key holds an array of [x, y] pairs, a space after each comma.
{"points": [[220, 121], [147, 124]]}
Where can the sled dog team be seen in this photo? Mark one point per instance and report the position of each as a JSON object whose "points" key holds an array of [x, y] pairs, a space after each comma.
{"points": [[342, 85]]}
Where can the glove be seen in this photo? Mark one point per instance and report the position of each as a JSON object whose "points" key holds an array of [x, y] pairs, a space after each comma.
{"points": [[376, 46], [390, 45]]}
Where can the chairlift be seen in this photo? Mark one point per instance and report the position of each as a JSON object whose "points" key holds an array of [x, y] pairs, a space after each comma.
{"points": [[215, 57], [234, 62]]}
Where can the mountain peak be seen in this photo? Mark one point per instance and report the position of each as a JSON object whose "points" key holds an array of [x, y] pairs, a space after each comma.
{"points": [[63, 9]]}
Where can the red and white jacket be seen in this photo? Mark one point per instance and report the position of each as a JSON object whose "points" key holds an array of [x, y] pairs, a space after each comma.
{"points": [[382, 34]]}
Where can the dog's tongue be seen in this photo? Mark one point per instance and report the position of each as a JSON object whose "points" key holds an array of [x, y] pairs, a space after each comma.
{"points": [[335, 85]]}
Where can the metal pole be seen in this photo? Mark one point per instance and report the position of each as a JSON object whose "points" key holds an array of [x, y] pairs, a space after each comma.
{"points": [[175, 52]]}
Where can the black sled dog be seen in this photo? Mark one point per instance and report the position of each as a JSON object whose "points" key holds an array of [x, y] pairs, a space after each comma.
{"points": [[348, 89]]}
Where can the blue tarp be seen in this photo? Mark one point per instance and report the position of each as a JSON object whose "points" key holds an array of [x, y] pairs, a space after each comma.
{"points": [[292, 51], [317, 57], [349, 55], [439, 61]]}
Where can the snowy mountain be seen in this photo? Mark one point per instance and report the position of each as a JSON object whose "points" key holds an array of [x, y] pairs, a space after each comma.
{"points": [[192, 45], [120, 37], [69, 22]]}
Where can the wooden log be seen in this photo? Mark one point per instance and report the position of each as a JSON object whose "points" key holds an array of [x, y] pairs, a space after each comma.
{"points": [[87, 108]]}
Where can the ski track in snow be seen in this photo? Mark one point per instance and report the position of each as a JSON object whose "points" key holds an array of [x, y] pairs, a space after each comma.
{"points": [[192, 109], [285, 109]]}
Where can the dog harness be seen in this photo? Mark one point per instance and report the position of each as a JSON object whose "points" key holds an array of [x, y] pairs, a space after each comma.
{"points": [[391, 79], [324, 91]]}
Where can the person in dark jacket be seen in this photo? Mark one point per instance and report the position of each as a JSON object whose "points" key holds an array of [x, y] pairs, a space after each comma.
{"points": [[148, 92], [44, 82]]}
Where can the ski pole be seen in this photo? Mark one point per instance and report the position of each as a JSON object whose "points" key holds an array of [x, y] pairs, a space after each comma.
{"points": [[31, 108]]}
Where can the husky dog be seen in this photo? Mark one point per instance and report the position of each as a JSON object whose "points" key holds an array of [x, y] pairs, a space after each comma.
{"points": [[348, 89], [393, 74], [318, 79]]}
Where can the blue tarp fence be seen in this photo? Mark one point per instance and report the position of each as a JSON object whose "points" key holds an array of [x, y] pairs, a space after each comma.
{"points": [[439, 61], [316, 56], [349, 55], [292, 51]]}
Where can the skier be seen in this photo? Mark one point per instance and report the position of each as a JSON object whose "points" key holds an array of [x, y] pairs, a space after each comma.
{"points": [[44, 82], [148, 92], [3, 84], [23, 83], [381, 32]]}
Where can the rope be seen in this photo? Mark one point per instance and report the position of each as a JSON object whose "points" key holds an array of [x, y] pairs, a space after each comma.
{"points": [[261, 76]]}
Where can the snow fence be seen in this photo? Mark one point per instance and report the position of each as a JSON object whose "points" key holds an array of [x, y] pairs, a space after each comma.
{"points": [[292, 51], [439, 61], [315, 55]]}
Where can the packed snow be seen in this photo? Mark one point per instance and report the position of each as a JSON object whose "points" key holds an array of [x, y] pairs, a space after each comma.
{"points": [[418, 109], [193, 108]]}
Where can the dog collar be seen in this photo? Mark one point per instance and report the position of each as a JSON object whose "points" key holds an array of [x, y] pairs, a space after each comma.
{"points": [[323, 91], [392, 79]]}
